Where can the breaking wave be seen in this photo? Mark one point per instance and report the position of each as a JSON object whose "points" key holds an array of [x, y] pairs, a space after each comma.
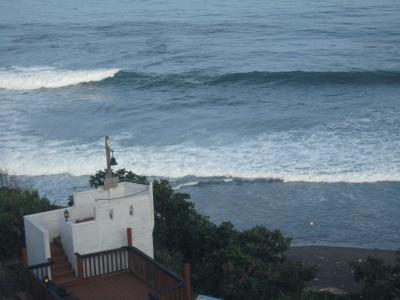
{"points": [[356, 77], [256, 160], [190, 181], [46, 77], [190, 79], [36, 78]]}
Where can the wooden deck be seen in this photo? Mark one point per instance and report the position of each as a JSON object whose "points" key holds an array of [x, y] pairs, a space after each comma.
{"points": [[113, 286], [121, 273]]}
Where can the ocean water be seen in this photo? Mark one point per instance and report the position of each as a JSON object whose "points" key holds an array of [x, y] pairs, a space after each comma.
{"points": [[267, 112]]}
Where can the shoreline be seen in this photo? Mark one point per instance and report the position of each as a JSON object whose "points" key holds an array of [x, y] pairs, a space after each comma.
{"points": [[333, 264]]}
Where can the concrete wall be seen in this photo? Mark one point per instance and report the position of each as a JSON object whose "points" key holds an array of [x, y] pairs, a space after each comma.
{"points": [[108, 233], [68, 243], [85, 201], [37, 242], [40, 229], [51, 220]]}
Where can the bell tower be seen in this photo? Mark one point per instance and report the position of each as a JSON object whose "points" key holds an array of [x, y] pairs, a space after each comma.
{"points": [[109, 181]]}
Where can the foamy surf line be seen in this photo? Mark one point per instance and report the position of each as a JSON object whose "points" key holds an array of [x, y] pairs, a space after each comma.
{"points": [[49, 78], [262, 158], [191, 180]]}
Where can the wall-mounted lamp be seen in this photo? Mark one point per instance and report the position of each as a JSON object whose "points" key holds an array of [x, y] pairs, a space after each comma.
{"points": [[111, 214], [131, 210], [46, 280], [66, 215]]}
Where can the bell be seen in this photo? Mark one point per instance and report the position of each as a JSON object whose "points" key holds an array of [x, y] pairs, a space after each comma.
{"points": [[113, 161], [66, 215]]}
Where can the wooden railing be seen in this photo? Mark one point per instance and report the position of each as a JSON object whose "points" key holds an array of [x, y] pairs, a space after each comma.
{"points": [[42, 270], [152, 272], [168, 294], [35, 285], [165, 285], [101, 263]]}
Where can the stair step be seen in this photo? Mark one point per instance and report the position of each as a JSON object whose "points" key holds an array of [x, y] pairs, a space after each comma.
{"points": [[62, 272], [58, 254], [59, 260], [55, 247], [61, 265], [62, 280], [54, 255]]}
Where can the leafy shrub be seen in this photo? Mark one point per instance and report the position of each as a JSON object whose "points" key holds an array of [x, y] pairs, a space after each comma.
{"points": [[380, 281], [15, 202]]}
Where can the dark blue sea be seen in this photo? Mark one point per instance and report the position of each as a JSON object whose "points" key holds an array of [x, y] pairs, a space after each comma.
{"points": [[279, 113]]}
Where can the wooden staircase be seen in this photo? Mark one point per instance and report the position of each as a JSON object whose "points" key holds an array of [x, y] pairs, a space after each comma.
{"points": [[61, 270]]}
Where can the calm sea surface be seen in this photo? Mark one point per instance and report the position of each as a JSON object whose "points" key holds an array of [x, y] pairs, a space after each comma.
{"points": [[274, 112]]}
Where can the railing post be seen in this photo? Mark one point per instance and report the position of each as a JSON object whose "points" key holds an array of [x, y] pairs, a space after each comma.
{"points": [[186, 272], [24, 256], [79, 262], [129, 236]]}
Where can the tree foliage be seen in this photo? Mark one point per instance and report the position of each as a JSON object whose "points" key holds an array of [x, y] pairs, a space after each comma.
{"points": [[225, 262], [15, 202], [380, 281], [122, 175]]}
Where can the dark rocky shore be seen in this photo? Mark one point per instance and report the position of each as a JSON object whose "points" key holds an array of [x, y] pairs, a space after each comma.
{"points": [[333, 264]]}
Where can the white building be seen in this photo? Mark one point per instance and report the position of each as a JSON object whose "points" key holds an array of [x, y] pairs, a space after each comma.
{"points": [[101, 219]]}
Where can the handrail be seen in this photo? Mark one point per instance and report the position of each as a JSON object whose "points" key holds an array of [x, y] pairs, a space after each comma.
{"points": [[145, 256], [41, 270], [166, 294], [37, 266], [164, 284], [37, 288], [102, 262], [99, 252]]}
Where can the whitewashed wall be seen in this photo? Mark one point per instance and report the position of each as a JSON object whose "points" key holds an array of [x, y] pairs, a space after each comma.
{"points": [[105, 233], [85, 201], [37, 242], [51, 220], [40, 229], [68, 243]]}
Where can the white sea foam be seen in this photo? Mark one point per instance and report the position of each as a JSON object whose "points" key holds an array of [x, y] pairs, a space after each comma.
{"points": [[48, 77], [319, 158]]}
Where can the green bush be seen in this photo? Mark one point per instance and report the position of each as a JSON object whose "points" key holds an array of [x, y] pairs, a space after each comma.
{"points": [[380, 281], [15, 202]]}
